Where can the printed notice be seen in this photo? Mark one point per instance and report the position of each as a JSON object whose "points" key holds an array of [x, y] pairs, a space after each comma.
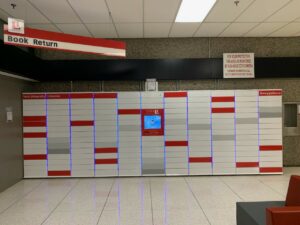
{"points": [[238, 65]]}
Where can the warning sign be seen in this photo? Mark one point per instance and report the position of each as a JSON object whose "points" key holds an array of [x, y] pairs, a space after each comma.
{"points": [[238, 65]]}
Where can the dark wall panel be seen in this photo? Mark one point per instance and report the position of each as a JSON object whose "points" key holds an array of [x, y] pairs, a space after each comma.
{"points": [[11, 148]]}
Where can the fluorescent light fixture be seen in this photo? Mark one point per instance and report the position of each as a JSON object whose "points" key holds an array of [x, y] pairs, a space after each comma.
{"points": [[194, 10]]}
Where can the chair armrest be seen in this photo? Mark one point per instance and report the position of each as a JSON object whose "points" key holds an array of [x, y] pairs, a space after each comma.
{"points": [[283, 215]]}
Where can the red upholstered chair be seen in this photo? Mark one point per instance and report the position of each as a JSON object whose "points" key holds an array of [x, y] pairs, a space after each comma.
{"points": [[290, 213]]}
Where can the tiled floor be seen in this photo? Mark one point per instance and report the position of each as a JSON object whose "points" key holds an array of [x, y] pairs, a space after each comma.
{"points": [[133, 201]]}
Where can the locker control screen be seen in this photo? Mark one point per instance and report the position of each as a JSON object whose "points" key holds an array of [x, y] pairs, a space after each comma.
{"points": [[152, 122]]}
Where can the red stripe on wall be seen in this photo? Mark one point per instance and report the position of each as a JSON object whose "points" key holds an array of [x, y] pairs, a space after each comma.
{"points": [[223, 99], [81, 95], [106, 161], [59, 173], [80, 123], [175, 94], [129, 111], [75, 39], [35, 157], [270, 148], [34, 118], [200, 159], [270, 169], [106, 150], [35, 135], [247, 164], [222, 110], [34, 124], [270, 93], [105, 95], [58, 96], [176, 143], [34, 96]]}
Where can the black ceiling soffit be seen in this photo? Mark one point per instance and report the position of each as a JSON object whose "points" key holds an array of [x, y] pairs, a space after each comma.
{"points": [[16, 61]]}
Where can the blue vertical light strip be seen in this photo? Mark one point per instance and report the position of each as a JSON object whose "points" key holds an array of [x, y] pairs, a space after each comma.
{"points": [[47, 140], [235, 132], [187, 132], [164, 104], [118, 133], [94, 118], [141, 138], [258, 126], [211, 137], [70, 127]]}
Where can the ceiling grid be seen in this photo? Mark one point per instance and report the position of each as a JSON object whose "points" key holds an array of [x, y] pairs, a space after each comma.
{"points": [[156, 18]]}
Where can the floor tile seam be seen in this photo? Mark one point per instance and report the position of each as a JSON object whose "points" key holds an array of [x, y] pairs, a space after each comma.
{"points": [[110, 190], [270, 187], [196, 199], [19, 199], [152, 215], [58, 204], [233, 191]]}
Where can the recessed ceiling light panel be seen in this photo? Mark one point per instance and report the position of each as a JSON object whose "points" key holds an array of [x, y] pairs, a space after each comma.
{"points": [[194, 10]]}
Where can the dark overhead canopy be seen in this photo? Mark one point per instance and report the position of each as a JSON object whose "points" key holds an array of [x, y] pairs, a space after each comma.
{"points": [[14, 60]]}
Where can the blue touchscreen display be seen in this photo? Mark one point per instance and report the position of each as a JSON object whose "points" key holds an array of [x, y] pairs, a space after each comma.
{"points": [[152, 122]]}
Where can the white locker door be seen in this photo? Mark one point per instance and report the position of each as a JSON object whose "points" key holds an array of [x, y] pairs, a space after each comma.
{"points": [[59, 146], [223, 132], [106, 135], [199, 128], [176, 134], [270, 131], [34, 135], [247, 147], [129, 114], [82, 135]]}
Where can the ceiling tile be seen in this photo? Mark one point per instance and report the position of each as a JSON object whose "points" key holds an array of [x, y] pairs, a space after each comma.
{"points": [[3, 15], [264, 29], [47, 27], [76, 29], [130, 30], [102, 30], [24, 11], [93, 12], [157, 30], [161, 11], [226, 11], [237, 29], [183, 29], [210, 29], [288, 13], [58, 11], [129, 11], [297, 35], [289, 30], [260, 10]]}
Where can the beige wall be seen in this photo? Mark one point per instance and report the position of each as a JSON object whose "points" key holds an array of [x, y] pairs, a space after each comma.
{"points": [[194, 48]]}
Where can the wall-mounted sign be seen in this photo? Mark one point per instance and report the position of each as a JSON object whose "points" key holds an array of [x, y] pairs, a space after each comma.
{"points": [[64, 42], [16, 25], [238, 65]]}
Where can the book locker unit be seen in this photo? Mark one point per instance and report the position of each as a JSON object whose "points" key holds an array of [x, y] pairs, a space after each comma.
{"points": [[99, 134]]}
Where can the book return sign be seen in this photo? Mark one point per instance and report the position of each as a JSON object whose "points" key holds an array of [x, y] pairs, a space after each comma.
{"points": [[238, 65]]}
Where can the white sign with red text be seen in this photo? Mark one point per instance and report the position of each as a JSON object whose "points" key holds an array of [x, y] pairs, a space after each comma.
{"points": [[35, 38], [238, 65], [16, 25]]}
